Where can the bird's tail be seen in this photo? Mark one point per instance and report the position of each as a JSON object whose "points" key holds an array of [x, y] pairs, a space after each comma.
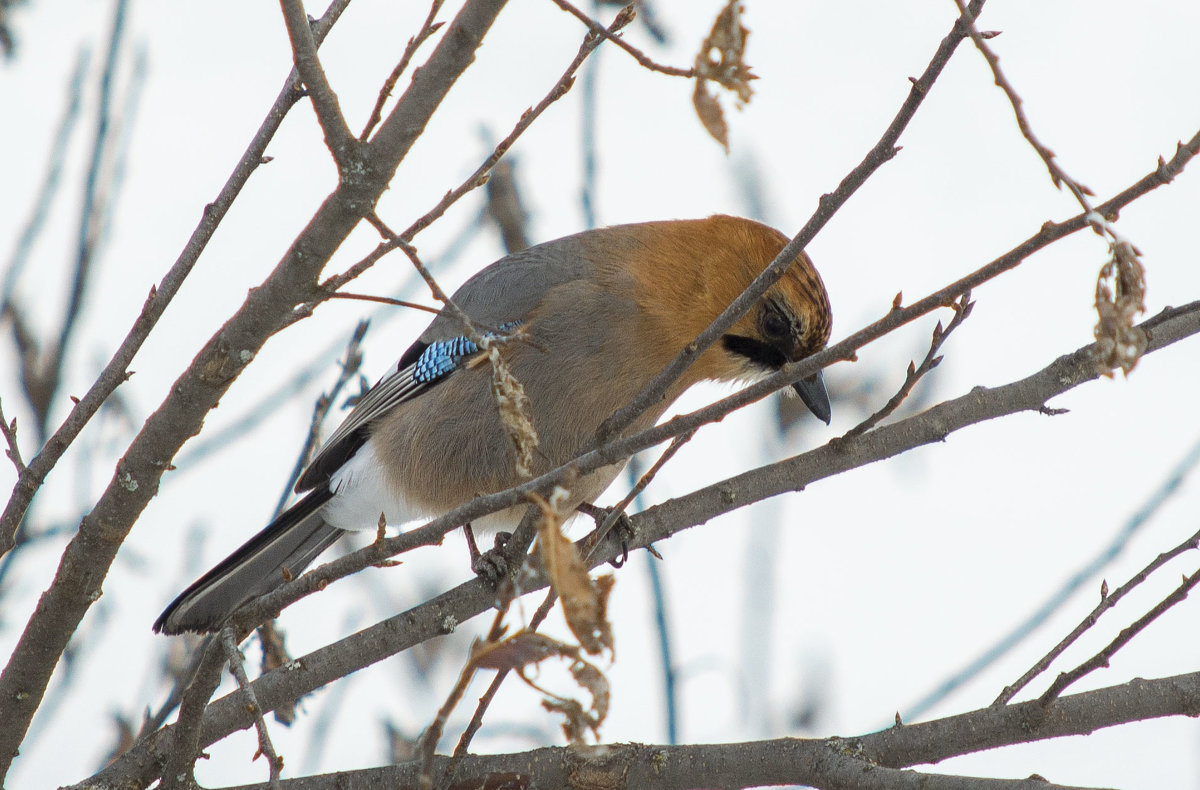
{"points": [[291, 541]]}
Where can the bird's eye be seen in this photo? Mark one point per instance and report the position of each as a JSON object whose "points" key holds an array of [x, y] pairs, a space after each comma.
{"points": [[774, 325]]}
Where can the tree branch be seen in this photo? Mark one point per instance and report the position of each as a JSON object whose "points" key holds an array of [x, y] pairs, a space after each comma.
{"points": [[338, 138], [88, 557], [115, 372], [434, 617], [828, 205], [870, 761]]}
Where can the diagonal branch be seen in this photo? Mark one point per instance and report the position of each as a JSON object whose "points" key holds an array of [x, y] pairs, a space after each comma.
{"points": [[611, 35], [338, 137], [432, 618], [88, 557], [114, 373], [428, 28], [1107, 602], [1102, 658], [882, 152]]}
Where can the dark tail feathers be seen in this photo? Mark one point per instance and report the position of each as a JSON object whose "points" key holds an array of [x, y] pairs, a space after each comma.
{"points": [[291, 541]]}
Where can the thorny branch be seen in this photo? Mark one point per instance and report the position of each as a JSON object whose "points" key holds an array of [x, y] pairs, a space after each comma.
{"points": [[1106, 602]]}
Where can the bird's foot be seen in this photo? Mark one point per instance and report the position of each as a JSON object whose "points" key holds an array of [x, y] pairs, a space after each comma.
{"points": [[622, 527], [490, 565]]}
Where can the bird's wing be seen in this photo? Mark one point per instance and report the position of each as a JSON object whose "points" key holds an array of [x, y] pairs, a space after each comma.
{"points": [[429, 366], [500, 296]]}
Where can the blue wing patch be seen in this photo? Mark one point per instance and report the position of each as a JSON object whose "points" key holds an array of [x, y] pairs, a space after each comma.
{"points": [[433, 365]]}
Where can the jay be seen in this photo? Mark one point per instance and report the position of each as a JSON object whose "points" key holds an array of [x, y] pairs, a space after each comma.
{"points": [[604, 311]]}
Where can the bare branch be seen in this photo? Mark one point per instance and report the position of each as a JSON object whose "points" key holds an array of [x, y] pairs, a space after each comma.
{"points": [[1106, 602], [114, 373], [1101, 659], [477, 178], [178, 767], [869, 761], [610, 34], [1057, 175], [10, 435], [338, 137], [882, 152], [238, 670], [428, 28], [962, 309]]}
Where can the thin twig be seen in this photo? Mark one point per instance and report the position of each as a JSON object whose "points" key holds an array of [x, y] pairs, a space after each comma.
{"points": [[338, 138], [114, 373], [962, 309], [384, 300], [1058, 176], [485, 700], [1056, 600], [481, 337], [637, 54], [90, 216], [1102, 658], [479, 177], [49, 188], [10, 436], [881, 152], [427, 743], [238, 670], [615, 513], [428, 28], [1106, 602]]}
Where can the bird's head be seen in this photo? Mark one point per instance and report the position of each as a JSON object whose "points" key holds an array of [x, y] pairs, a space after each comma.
{"points": [[691, 270], [790, 322]]}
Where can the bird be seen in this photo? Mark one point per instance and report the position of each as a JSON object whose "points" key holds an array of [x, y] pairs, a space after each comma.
{"points": [[597, 315]]}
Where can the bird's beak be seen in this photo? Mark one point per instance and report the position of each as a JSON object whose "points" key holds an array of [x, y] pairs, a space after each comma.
{"points": [[812, 391]]}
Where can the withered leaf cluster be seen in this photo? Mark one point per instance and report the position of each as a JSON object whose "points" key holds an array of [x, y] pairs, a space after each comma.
{"points": [[721, 60], [1120, 299]]}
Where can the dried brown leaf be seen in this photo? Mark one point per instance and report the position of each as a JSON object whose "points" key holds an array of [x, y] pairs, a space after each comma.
{"points": [[1120, 299], [584, 600], [592, 679], [519, 650], [709, 111], [513, 405], [577, 719], [721, 59]]}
